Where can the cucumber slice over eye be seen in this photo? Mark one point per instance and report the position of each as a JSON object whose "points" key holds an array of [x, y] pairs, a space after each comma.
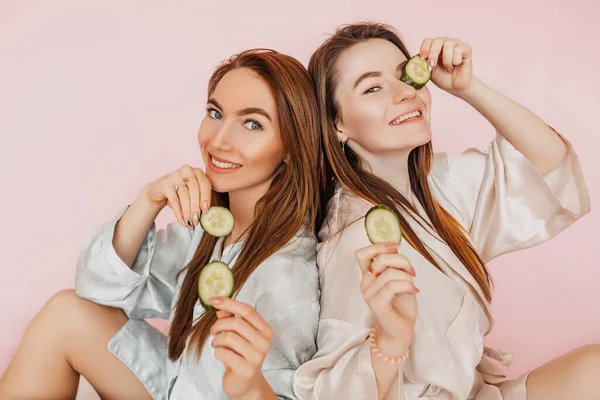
{"points": [[416, 72], [217, 221], [382, 225], [216, 279]]}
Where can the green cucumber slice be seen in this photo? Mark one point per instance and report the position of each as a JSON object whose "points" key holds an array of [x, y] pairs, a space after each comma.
{"points": [[216, 279], [382, 225], [217, 221], [416, 72]]}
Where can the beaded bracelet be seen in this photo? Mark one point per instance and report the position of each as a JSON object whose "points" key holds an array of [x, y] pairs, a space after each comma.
{"points": [[373, 339]]}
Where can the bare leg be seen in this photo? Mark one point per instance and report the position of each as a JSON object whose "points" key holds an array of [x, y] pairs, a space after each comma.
{"points": [[575, 375], [69, 337]]}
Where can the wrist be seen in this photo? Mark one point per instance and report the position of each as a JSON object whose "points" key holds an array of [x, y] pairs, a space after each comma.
{"points": [[390, 346], [260, 391], [473, 93]]}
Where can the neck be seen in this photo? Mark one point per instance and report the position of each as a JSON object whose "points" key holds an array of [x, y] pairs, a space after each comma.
{"points": [[391, 167], [242, 204]]}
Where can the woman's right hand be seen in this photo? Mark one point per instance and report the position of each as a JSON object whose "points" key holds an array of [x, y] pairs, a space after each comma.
{"points": [[388, 289], [186, 191]]}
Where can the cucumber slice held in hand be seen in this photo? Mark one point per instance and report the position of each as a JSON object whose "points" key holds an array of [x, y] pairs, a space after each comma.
{"points": [[416, 72], [217, 221], [382, 225], [216, 279]]}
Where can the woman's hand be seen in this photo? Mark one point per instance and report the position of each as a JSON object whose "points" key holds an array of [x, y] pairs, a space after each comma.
{"points": [[452, 63], [388, 289], [242, 339], [185, 191]]}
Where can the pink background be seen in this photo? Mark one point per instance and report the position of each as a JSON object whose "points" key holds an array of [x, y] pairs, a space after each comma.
{"points": [[100, 97]]}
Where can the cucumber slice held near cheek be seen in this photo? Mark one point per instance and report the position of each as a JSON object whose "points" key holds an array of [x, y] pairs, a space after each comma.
{"points": [[416, 72]]}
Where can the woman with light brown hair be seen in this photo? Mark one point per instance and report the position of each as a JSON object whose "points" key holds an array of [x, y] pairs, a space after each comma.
{"points": [[407, 321], [260, 143]]}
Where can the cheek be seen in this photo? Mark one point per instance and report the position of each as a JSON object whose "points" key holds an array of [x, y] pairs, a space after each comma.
{"points": [[263, 156]]}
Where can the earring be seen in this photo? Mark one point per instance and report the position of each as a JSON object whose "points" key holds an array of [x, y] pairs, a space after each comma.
{"points": [[344, 146]]}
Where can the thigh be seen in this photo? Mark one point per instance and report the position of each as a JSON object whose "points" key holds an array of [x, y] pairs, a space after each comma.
{"points": [[574, 375], [68, 337]]}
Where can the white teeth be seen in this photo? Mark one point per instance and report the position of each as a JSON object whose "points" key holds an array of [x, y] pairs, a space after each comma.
{"points": [[404, 117], [224, 164]]}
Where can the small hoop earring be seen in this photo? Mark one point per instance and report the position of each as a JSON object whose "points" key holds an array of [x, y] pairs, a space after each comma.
{"points": [[343, 146]]}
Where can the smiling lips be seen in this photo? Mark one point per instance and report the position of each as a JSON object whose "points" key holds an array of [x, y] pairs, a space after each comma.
{"points": [[220, 165], [405, 117]]}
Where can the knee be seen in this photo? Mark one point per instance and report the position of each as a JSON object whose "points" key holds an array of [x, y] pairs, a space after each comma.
{"points": [[587, 359], [64, 299]]}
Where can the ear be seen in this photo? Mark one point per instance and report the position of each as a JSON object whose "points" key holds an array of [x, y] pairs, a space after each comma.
{"points": [[342, 137]]}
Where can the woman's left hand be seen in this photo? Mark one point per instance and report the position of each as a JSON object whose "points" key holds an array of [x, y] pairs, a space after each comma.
{"points": [[452, 63], [242, 339]]}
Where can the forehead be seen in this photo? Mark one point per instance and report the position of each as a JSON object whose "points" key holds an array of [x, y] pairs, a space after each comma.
{"points": [[243, 88], [374, 55]]}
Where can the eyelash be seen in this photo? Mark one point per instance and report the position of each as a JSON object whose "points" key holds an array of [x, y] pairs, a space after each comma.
{"points": [[260, 127], [210, 110], [370, 90]]}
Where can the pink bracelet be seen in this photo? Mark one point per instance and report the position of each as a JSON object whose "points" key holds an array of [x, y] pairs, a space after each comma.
{"points": [[373, 339]]}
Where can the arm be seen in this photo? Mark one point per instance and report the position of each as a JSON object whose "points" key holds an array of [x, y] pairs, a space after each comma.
{"points": [[281, 310], [127, 264], [344, 365], [526, 188], [530, 136]]}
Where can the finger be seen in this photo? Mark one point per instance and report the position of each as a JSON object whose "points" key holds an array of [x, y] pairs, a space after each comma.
{"points": [[382, 300], [173, 201], [184, 200], [383, 261], [233, 361], [435, 50], [448, 54], [462, 52], [386, 277], [194, 190], [424, 50], [245, 311], [224, 314], [242, 328], [205, 189], [365, 255], [233, 341]]}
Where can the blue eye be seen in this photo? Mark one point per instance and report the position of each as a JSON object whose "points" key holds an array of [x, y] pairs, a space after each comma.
{"points": [[253, 125], [373, 89], [214, 114]]}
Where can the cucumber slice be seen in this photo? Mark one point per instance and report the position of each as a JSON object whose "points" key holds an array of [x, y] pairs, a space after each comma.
{"points": [[416, 72], [382, 225], [217, 221], [216, 279]]}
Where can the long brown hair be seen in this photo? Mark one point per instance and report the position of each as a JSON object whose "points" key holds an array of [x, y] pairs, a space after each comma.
{"points": [[346, 168], [290, 203]]}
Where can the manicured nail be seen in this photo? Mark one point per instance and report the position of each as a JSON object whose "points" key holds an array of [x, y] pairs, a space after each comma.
{"points": [[431, 63], [392, 247], [215, 301], [195, 218], [204, 206]]}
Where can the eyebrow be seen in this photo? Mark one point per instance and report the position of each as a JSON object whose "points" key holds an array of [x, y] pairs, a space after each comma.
{"points": [[375, 74], [245, 111]]}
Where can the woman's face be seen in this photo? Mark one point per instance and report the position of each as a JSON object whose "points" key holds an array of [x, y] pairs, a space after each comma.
{"points": [[378, 111], [239, 137]]}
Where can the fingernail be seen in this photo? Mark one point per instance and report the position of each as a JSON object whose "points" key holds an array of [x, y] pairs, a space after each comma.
{"points": [[195, 217], [432, 63], [215, 301], [449, 69], [204, 206], [392, 247], [417, 290], [414, 273]]}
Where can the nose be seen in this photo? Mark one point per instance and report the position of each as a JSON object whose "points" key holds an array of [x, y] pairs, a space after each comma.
{"points": [[221, 138], [402, 91]]}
